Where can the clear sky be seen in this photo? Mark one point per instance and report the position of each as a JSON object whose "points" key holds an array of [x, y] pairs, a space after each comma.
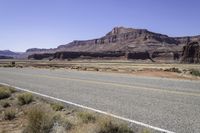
{"points": [[48, 23]]}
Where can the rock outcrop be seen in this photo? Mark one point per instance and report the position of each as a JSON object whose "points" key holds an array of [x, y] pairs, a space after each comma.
{"points": [[191, 53]]}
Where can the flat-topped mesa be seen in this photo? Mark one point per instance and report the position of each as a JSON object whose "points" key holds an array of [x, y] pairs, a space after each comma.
{"points": [[119, 38]]}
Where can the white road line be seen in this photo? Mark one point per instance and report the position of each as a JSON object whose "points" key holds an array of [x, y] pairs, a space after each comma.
{"points": [[92, 109]]}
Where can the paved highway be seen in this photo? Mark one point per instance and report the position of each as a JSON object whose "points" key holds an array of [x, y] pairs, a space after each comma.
{"points": [[169, 104]]}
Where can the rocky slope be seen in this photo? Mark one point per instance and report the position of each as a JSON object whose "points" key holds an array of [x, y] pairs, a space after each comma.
{"points": [[127, 40]]}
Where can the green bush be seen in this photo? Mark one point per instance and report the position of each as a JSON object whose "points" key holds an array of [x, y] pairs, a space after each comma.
{"points": [[9, 114], [40, 120], [57, 106], [25, 98], [107, 126], [86, 117], [195, 72], [4, 93]]}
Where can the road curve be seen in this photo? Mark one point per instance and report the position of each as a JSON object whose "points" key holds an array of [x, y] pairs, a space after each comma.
{"points": [[165, 103]]}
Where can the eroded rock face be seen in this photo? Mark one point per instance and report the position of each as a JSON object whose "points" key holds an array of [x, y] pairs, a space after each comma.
{"points": [[92, 55], [80, 55], [166, 55], [139, 55], [191, 53], [41, 56]]}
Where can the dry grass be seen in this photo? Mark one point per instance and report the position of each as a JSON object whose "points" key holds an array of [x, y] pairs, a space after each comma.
{"points": [[5, 104], [9, 114], [57, 106], [4, 93], [40, 120], [25, 98], [145, 131], [107, 125], [86, 117], [173, 69]]}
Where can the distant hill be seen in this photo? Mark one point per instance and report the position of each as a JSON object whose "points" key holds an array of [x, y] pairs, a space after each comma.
{"points": [[5, 57], [8, 53]]}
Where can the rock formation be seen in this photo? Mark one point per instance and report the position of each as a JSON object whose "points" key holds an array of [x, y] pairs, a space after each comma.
{"points": [[191, 53], [137, 42]]}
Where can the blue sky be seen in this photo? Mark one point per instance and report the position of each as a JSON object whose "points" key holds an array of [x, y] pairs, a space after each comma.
{"points": [[49, 23]]}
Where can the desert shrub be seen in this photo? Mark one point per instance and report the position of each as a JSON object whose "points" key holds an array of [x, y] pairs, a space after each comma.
{"points": [[9, 114], [25, 98], [145, 131], [57, 106], [107, 126], [4, 93], [12, 63], [40, 120], [195, 72], [5, 104], [12, 90], [86, 117], [173, 70], [65, 123], [7, 65]]}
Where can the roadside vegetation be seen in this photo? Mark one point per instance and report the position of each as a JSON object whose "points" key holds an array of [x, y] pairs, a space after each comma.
{"points": [[86, 117], [57, 106], [195, 72], [5, 92], [9, 114], [22, 112], [25, 98], [173, 69]]}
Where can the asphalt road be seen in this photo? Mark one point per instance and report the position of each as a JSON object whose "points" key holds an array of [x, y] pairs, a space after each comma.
{"points": [[165, 103]]}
